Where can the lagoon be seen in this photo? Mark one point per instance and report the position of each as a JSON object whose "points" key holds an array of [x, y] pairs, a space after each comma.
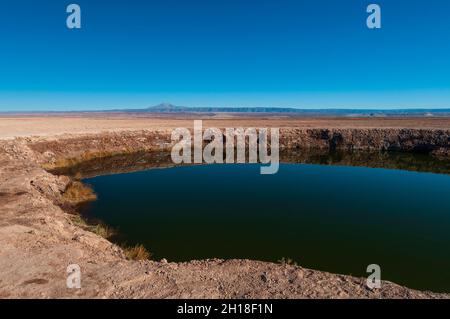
{"points": [[335, 218]]}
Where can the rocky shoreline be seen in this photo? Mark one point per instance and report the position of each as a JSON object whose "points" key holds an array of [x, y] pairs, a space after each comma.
{"points": [[38, 238]]}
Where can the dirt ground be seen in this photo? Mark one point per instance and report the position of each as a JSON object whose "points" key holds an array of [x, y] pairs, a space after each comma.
{"points": [[26, 125]]}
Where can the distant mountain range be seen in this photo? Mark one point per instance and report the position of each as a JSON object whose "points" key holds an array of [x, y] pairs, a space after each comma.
{"points": [[167, 108], [170, 108]]}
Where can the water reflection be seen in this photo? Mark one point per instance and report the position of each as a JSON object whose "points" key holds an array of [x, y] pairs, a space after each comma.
{"points": [[147, 160]]}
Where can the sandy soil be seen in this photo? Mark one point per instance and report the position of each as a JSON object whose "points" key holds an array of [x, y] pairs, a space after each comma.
{"points": [[13, 125]]}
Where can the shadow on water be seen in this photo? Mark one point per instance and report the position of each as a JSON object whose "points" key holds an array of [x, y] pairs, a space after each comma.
{"points": [[338, 216], [147, 160]]}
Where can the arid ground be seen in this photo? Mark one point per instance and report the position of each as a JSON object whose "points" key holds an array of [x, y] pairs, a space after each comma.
{"points": [[40, 234], [46, 125]]}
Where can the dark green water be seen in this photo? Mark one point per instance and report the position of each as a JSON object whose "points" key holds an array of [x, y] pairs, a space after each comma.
{"points": [[333, 218]]}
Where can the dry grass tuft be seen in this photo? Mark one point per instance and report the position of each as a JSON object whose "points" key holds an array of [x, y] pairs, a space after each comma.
{"points": [[138, 252], [103, 230], [99, 229], [77, 193], [79, 221], [287, 261], [86, 156], [78, 176]]}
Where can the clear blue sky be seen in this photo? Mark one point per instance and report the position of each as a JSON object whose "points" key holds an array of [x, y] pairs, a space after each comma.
{"points": [[309, 54]]}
